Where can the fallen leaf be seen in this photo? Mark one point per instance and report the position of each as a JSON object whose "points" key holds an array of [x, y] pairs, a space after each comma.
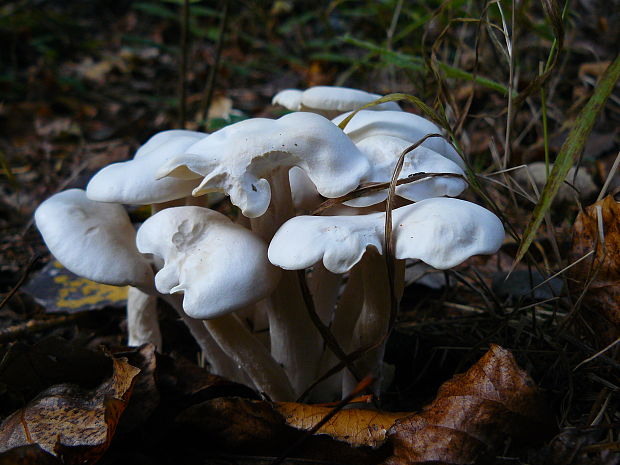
{"points": [[473, 416], [245, 427], [75, 424], [180, 378], [59, 290], [31, 454], [357, 427], [145, 396], [26, 370], [601, 303]]}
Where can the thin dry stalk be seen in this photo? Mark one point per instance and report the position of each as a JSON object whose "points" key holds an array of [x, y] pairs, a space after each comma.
{"points": [[184, 46], [610, 176], [210, 85]]}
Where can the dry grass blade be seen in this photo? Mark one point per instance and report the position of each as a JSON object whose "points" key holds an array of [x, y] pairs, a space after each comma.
{"points": [[21, 281], [184, 45], [326, 333], [552, 10], [599, 353], [361, 387], [610, 177], [379, 186], [210, 85], [569, 153], [428, 111]]}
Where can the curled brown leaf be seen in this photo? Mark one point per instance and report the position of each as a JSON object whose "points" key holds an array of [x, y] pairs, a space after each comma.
{"points": [[597, 229], [70, 422], [472, 416]]}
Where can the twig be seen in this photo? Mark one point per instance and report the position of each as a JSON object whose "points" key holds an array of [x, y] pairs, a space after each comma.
{"points": [[210, 85], [12, 332], [20, 282], [183, 71], [600, 352]]}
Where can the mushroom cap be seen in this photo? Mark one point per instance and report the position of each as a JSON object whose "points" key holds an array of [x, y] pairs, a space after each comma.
{"points": [[92, 239], [329, 100], [340, 241], [288, 98], [219, 265], [442, 232], [237, 159], [134, 181], [383, 153], [445, 232], [401, 124], [162, 137]]}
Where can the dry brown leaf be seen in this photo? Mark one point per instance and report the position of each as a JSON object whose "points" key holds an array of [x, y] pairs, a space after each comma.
{"points": [[246, 427], [72, 423], [356, 427], [28, 455], [26, 370], [601, 304], [145, 396], [472, 416], [184, 379]]}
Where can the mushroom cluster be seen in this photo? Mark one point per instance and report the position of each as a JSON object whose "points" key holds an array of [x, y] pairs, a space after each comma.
{"points": [[233, 281]]}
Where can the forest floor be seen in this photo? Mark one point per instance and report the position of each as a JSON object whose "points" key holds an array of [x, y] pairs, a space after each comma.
{"points": [[83, 85]]}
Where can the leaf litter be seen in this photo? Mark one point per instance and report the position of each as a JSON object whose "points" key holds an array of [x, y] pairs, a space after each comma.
{"points": [[95, 110]]}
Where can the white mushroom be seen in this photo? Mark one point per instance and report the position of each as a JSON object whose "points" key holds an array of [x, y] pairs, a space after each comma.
{"points": [[289, 99], [220, 267], [92, 239], [329, 100], [238, 158], [142, 321], [97, 241], [134, 181], [383, 153], [401, 124], [303, 191], [155, 142], [442, 232]]}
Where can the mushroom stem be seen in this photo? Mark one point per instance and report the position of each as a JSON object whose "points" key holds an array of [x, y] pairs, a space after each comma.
{"points": [[295, 342], [248, 352], [346, 314], [142, 321], [220, 363], [324, 287], [373, 322]]}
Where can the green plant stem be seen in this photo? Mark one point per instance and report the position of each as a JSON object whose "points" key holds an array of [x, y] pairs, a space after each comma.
{"points": [[570, 152], [543, 105]]}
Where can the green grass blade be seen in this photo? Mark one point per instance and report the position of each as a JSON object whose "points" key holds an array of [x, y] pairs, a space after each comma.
{"points": [[417, 63], [570, 152]]}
